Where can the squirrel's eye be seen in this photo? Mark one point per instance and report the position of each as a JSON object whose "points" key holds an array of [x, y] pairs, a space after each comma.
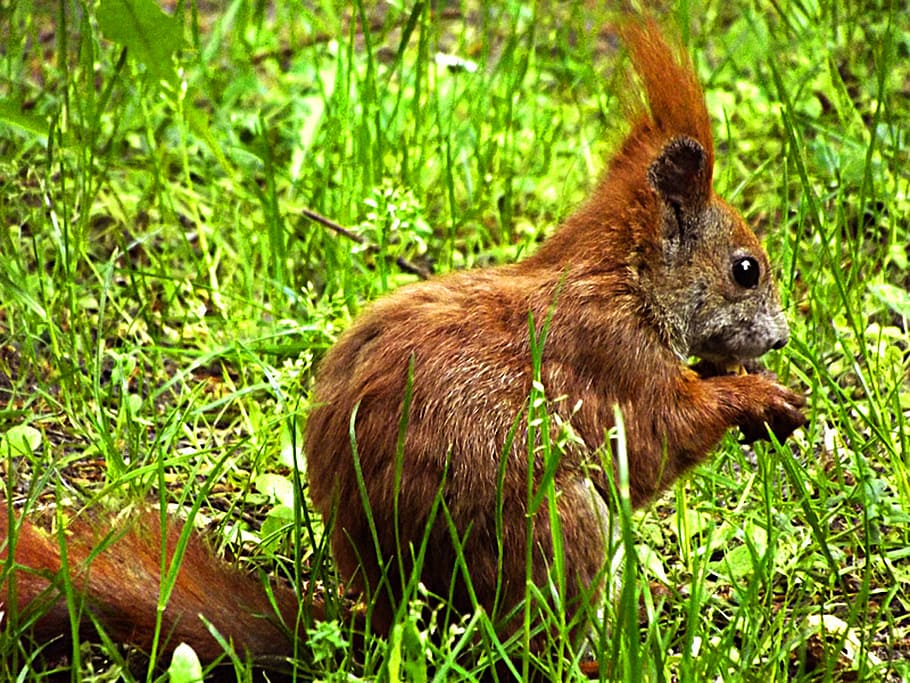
{"points": [[746, 272]]}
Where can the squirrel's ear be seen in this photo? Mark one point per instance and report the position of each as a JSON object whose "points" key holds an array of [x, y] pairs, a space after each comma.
{"points": [[680, 175]]}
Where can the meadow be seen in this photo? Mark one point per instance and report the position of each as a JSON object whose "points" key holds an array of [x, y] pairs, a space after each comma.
{"points": [[167, 289]]}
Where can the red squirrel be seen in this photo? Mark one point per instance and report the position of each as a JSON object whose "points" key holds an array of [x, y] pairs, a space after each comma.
{"points": [[652, 270]]}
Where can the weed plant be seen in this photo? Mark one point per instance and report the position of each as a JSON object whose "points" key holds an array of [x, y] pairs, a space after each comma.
{"points": [[164, 298]]}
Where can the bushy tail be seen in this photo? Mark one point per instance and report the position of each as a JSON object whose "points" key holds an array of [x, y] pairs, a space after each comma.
{"points": [[118, 580]]}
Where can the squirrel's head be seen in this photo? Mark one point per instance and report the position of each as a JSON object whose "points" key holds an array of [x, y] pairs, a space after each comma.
{"points": [[709, 280]]}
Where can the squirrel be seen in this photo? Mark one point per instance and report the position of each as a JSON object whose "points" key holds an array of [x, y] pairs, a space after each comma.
{"points": [[423, 404]]}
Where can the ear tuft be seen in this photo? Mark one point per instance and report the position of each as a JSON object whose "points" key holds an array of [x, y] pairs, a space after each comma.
{"points": [[680, 174]]}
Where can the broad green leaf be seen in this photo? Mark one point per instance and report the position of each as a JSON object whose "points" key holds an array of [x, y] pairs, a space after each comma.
{"points": [[895, 298], [185, 666], [278, 488], [735, 564], [12, 115], [652, 562], [20, 440], [149, 34]]}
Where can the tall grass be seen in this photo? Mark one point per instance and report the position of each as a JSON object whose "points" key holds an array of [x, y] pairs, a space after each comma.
{"points": [[163, 301]]}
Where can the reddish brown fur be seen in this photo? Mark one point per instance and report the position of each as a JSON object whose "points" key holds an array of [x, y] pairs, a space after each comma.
{"points": [[612, 341], [647, 273], [120, 588]]}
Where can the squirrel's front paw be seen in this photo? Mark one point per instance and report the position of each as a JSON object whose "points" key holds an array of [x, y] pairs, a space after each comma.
{"points": [[781, 413]]}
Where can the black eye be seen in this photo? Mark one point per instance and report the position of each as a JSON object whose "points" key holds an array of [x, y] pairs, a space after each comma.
{"points": [[746, 272]]}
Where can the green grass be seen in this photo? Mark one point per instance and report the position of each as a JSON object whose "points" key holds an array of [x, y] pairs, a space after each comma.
{"points": [[163, 301]]}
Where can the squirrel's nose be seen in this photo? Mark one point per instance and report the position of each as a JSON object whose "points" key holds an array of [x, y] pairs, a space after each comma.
{"points": [[781, 342]]}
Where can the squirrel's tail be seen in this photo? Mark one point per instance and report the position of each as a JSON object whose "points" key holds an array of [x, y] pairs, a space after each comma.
{"points": [[119, 577]]}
